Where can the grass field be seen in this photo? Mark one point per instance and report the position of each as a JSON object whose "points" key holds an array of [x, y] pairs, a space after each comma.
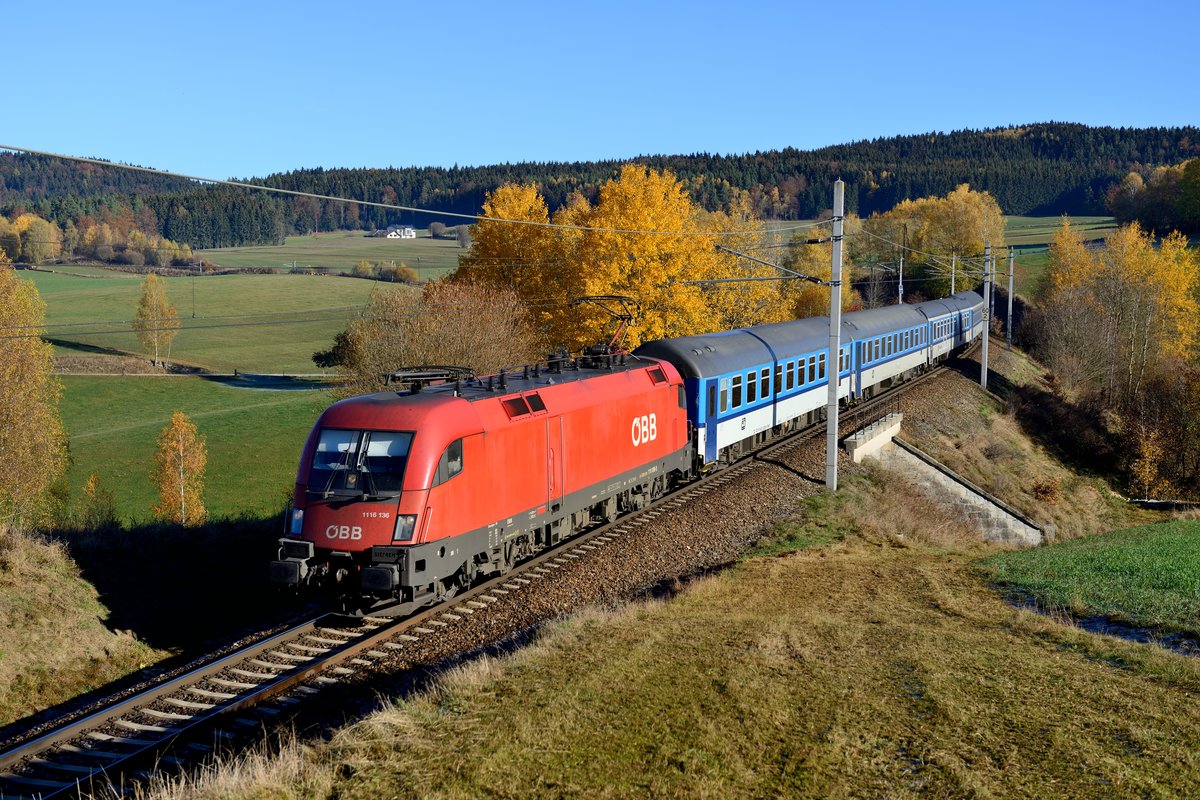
{"points": [[1040, 231], [866, 667], [1147, 576], [254, 438], [1032, 235], [341, 250], [312, 309]]}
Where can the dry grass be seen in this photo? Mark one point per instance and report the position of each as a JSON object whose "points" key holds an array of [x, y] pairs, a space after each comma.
{"points": [[878, 664], [281, 770], [866, 670], [986, 442], [53, 641]]}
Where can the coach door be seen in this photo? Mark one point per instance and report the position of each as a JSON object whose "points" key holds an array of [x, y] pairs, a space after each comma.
{"points": [[554, 464]]}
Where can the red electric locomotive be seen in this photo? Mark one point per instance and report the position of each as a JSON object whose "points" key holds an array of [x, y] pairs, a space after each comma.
{"points": [[405, 497]]}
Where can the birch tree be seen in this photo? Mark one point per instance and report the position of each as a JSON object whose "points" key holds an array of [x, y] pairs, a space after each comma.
{"points": [[156, 322], [33, 449], [179, 472]]}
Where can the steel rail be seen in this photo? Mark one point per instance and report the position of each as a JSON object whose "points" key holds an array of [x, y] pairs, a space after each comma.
{"points": [[31, 756]]}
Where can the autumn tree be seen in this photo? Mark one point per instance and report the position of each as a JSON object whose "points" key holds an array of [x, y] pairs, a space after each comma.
{"points": [[806, 299], [1145, 471], [507, 253], [1114, 316], [744, 300], [445, 323], [33, 450], [98, 509], [643, 238], [934, 229], [41, 241], [156, 321], [179, 472]]}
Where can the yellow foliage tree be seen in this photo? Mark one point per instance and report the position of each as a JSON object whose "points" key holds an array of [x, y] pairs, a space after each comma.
{"points": [[1070, 262], [1145, 469], [179, 472], [1116, 315], [745, 302], [156, 321], [643, 238], [41, 241], [33, 451], [958, 224], [809, 299], [506, 255]]}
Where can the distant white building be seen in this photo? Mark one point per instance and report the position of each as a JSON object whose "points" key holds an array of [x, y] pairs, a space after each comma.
{"points": [[402, 232]]}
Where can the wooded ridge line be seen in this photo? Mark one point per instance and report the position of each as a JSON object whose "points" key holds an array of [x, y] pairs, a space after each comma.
{"points": [[1046, 168]]}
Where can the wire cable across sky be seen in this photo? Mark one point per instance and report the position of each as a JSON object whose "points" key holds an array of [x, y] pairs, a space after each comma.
{"points": [[392, 206]]}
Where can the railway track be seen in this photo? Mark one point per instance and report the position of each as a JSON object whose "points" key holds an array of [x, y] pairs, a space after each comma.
{"points": [[181, 721]]}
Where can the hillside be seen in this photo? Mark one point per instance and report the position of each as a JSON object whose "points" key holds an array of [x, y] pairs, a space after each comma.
{"points": [[859, 651], [1042, 169], [54, 641]]}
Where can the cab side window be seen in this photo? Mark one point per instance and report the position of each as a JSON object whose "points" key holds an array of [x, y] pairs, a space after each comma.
{"points": [[450, 464]]}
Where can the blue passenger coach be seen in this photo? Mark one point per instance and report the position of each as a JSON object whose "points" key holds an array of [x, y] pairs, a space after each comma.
{"points": [[746, 384]]}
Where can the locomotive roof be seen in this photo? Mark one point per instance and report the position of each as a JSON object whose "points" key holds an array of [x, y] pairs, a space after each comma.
{"points": [[516, 382]]}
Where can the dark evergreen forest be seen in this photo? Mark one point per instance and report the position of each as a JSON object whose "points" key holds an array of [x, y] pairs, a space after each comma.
{"points": [[1050, 168]]}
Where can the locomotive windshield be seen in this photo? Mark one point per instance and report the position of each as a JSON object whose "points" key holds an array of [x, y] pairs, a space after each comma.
{"points": [[356, 463]]}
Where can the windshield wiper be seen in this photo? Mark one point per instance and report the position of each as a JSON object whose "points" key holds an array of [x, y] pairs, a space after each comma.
{"points": [[345, 464]]}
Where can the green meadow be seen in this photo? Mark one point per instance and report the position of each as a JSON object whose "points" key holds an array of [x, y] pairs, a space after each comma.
{"points": [[249, 323], [1032, 236], [1148, 575], [254, 437], [341, 250]]}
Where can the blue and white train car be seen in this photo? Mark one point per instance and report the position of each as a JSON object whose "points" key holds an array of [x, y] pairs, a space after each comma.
{"points": [[746, 384]]}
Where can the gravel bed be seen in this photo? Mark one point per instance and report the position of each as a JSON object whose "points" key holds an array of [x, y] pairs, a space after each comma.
{"points": [[704, 534], [25, 730]]}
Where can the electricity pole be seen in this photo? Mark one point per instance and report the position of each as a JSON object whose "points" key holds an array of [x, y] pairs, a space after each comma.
{"points": [[987, 311], [833, 371], [1008, 325], [900, 288], [953, 265]]}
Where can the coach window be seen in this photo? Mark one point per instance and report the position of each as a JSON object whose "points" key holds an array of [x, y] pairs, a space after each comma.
{"points": [[724, 395], [450, 464], [737, 390], [764, 383], [791, 375], [778, 378], [751, 388]]}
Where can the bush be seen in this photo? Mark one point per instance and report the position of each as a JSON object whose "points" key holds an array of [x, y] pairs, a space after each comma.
{"points": [[1047, 491], [133, 258]]}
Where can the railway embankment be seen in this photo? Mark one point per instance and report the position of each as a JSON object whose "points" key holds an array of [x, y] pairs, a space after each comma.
{"points": [[861, 647], [55, 637], [857, 647]]}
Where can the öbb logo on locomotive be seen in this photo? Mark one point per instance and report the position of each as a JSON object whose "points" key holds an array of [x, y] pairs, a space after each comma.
{"points": [[645, 429], [352, 532], [406, 497]]}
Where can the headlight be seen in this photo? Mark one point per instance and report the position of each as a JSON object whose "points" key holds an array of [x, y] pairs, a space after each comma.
{"points": [[297, 522], [405, 525]]}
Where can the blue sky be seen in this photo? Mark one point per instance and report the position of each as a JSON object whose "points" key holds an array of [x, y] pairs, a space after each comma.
{"points": [[240, 89]]}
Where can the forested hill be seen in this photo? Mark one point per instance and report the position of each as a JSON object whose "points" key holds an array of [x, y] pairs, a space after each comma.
{"points": [[1046, 168]]}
